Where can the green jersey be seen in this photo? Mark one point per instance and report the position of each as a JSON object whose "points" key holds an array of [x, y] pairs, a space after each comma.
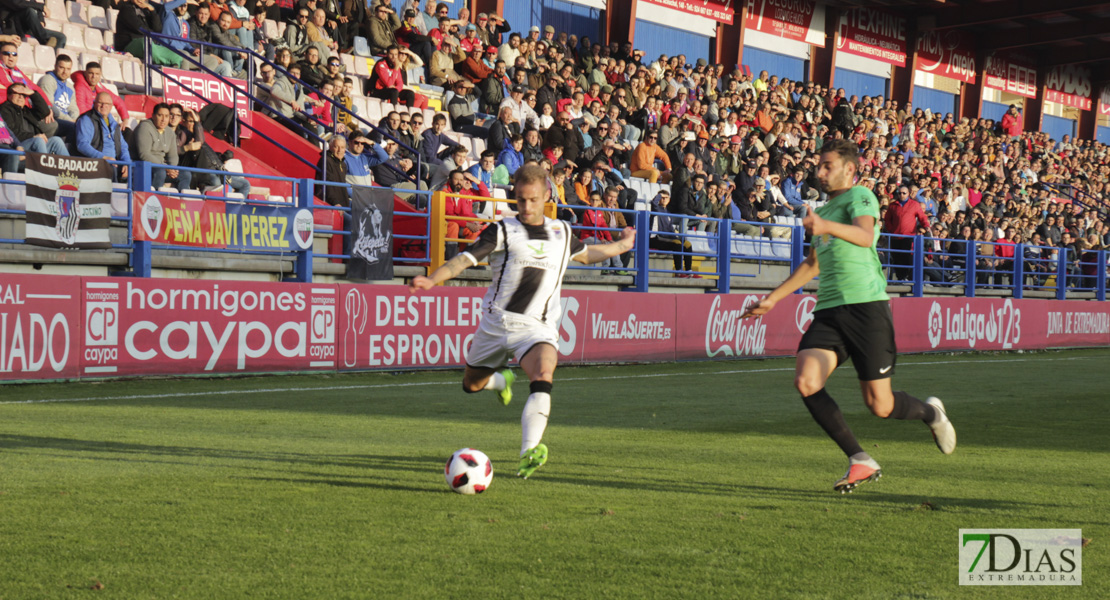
{"points": [[850, 274]]}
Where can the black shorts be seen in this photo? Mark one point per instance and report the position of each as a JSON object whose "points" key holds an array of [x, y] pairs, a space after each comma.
{"points": [[863, 332]]}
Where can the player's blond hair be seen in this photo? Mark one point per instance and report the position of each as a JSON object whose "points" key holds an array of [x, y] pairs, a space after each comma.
{"points": [[529, 174]]}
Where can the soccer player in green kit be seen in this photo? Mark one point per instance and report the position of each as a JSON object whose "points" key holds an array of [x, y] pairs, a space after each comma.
{"points": [[852, 317]]}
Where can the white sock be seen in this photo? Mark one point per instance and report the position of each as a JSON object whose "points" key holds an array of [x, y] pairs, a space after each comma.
{"points": [[534, 420], [496, 382]]}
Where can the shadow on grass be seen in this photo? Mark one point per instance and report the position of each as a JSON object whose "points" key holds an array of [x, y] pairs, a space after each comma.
{"points": [[768, 495], [107, 450], [336, 482]]}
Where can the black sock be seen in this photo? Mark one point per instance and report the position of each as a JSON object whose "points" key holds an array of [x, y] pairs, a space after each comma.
{"points": [[828, 416], [908, 408]]}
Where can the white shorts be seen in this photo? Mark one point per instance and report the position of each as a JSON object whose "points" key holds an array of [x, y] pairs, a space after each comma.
{"points": [[500, 338]]}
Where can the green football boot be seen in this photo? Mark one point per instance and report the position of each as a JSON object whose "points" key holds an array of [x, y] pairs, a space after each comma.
{"points": [[506, 394], [532, 460]]}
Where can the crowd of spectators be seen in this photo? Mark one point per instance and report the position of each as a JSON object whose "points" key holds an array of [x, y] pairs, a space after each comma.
{"points": [[595, 115]]}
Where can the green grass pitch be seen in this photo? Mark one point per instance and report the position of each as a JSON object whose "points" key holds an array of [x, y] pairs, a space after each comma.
{"points": [[693, 480]]}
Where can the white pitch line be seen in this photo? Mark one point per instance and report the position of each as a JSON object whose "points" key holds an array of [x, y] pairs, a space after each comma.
{"points": [[428, 383]]}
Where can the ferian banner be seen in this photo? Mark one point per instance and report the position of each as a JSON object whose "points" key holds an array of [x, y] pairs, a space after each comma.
{"points": [[180, 326], [873, 34], [179, 221], [1011, 72], [39, 327], [210, 88], [718, 10], [1069, 85], [798, 20], [1104, 101], [946, 53], [69, 201]]}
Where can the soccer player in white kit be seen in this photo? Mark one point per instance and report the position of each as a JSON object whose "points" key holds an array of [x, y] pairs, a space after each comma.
{"points": [[529, 254]]}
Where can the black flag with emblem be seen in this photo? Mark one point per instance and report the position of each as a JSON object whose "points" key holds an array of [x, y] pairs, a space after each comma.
{"points": [[371, 234], [69, 201]]}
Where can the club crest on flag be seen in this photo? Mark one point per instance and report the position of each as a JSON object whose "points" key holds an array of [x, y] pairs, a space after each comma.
{"points": [[152, 216], [67, 203]]}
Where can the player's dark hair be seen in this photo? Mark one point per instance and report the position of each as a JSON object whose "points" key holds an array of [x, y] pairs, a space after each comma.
{"points": [[845, 149]]}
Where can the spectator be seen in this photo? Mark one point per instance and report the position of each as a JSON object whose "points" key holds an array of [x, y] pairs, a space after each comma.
{"points": [[332, 168], [20, 119], [663, 236], [362, 156], [900, 220], [483, 170], [225, 36], [313, 72], [87, 85], [434, 139], [135, 16], [511, 157], [502, 130], [388, 82], [28, 17], [296, 34], [318, 35], [382, 26], [56, 86], [462, 111], [644, 157], [202, 29], [1011, 122], [10, 74], [99, 134], [156, 143], [463, 184]]}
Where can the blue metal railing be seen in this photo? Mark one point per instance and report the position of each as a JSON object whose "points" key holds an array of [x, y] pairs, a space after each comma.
{"points": [[971, 265]]}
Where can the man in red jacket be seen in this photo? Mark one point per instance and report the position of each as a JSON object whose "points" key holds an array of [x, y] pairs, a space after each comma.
{"points": [[901, 217], [467, 185], [1011, 122], [87, 84]]}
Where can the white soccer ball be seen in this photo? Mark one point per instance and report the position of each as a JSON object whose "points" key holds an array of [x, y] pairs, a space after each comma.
{"points": [[469, 471]]}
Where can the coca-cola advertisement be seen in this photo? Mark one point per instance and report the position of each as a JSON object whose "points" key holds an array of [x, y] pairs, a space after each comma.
{"points": [[931, 324], [39, 327], [176, 326], [710, 326]]}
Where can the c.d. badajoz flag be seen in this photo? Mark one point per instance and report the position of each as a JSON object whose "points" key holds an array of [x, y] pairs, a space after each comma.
{"points": [[69, 201]]}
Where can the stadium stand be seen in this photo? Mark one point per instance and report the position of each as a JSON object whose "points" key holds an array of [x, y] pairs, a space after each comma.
{"points": [[603, 109]]}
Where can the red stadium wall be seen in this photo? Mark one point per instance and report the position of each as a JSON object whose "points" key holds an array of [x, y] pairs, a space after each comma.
{"points": [[54, 327]]}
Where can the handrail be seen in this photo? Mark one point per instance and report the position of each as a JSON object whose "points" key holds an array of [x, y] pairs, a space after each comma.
{"points": [[250, 82]]}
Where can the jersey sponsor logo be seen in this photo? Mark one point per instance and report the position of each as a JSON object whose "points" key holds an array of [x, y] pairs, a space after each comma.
{"points": [[538, 251]]}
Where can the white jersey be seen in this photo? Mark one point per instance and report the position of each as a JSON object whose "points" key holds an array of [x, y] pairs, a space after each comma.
{"points": [[528, 263]]}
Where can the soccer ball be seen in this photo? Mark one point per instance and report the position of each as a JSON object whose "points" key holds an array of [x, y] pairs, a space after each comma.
{"points": [[468, 471]]}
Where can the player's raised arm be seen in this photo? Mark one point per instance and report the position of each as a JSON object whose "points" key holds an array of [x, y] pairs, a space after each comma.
{"points": [[446, 271], [599, 252], [804, 273]]}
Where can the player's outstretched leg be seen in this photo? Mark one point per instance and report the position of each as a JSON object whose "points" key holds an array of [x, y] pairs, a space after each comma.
{"points": [[533, 422], [907, 408], [505, 393]]}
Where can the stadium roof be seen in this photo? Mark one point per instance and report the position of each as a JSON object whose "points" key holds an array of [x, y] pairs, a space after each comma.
{"points": [[1056, 32]]}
